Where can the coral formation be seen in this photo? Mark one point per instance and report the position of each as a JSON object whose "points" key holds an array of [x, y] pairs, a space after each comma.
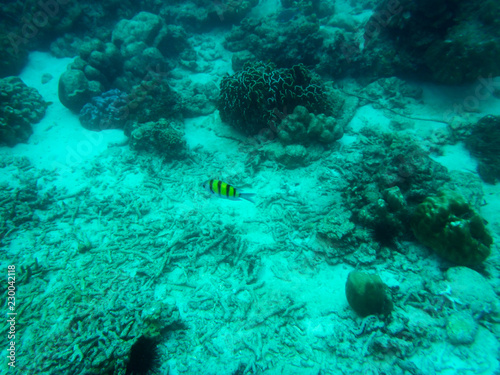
{"points": [[391, 177], [15, 57], [75, 90], [448, 225], [21, 207], [139, 48], [260, 95], [20, 107], [367, 294], [461, 328], [484, 144], [158, 136], [107, 111], [145, 42], [448, 41], [265, 39], [290, 156], [150, 101], [154, 99], [302, 127], [33, 25]]}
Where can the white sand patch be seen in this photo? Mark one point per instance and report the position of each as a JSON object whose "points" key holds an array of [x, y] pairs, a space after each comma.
{"points": [[442, 102], [369, 117], [58, 140], [456, 158]]}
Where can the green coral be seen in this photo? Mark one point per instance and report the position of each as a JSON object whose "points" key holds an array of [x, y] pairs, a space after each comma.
{"points": [[260, 96], [367, 294], [20, 107], [448, 225]]}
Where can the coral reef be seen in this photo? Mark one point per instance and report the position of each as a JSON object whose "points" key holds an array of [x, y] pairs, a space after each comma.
{"points": [[160, 136], [139, 48], [14, 56], [107, 111], [200, 15], [392, 176], [21, 206], [302, 127], [448, 225], [447, 41], [149, 101], [198, 99], [154, 99], [20, 107], [265, 39], [75, 90], [290, 156], [260, 95], [367, 294], [34, 25], [145, 42], [484, 144]]}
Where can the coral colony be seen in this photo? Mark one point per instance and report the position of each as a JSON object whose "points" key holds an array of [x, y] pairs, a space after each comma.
{"points": [[243, 187]]}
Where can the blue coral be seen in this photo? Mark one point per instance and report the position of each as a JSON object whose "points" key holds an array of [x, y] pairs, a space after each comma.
{"points": [[107, 111]]}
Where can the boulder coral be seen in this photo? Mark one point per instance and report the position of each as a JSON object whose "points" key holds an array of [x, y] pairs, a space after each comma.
{"points": [[302, 127], [139, 48], [448, 225], [157, 136], [20, 107], [367, 294]]}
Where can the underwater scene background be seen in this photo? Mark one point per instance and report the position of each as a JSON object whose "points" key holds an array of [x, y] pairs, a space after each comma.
{"points": [[245, 187]]}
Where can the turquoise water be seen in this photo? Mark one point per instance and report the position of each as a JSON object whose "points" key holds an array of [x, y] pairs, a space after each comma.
{"points": [[109, 239]]}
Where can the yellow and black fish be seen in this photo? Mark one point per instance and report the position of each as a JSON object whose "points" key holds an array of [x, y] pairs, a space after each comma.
{"points": [[225, 190]]}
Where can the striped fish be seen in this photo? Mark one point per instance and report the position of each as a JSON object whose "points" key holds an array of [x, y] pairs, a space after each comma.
{"points": [[225, 190]]}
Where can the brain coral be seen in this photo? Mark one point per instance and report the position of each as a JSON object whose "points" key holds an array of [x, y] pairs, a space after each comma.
{"points": [[20, 107]]}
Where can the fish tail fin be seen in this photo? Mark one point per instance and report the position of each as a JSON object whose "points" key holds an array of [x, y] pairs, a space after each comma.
{"points": [[247, 196]]}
